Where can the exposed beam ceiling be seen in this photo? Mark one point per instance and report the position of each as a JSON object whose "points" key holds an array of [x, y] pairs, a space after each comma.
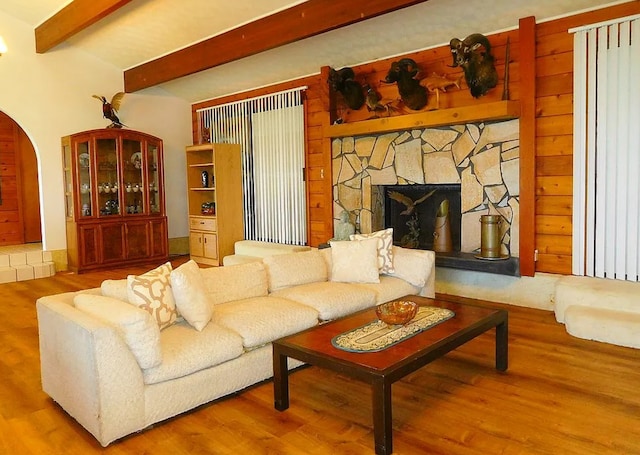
{"points": [[73, 18], [296, 23]]}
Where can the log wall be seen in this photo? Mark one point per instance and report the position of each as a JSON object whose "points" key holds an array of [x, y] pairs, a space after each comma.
{"points": [[553, 125]]}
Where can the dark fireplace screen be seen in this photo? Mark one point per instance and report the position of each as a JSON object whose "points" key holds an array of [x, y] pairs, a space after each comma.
{"points": [[411, 211]]}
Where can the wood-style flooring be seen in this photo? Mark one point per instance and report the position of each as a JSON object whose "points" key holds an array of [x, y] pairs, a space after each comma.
{"points": [[560, 396]]}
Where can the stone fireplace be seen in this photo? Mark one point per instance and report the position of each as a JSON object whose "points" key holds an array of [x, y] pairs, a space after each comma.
{"points": [[482, 158]]}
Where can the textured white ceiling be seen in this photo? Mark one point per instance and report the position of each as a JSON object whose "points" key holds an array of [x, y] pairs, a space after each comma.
{"points": [[146, 29]]}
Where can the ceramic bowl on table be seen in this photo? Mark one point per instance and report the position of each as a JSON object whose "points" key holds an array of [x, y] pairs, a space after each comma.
{"points": [[397, 312]]}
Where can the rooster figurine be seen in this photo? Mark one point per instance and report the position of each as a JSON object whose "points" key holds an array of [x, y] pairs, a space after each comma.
{"points": [[110, 109]]}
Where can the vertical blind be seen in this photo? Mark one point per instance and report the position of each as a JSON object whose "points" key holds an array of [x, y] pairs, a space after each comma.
{"points": [[270, 131], [606, 229]]}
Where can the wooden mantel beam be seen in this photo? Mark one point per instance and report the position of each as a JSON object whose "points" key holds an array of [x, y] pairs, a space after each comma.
{"points": [[302, 21], [73, 18]]}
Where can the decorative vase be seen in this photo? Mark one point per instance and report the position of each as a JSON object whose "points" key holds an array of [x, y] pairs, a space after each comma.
{"points": [[442, 233], [490, 236], [205, 179]]}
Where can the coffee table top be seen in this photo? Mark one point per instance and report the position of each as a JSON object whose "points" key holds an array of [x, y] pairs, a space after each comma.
{"points": [[316, 341]]}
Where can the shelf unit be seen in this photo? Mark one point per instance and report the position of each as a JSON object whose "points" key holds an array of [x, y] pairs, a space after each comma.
{"points": [[215, 203]]}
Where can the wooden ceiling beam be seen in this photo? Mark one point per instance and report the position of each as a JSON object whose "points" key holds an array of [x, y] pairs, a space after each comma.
{"points": [[302, 21], [73, 18]]}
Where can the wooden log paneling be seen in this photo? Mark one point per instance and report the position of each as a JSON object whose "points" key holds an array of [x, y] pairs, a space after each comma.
{"points": [[554, 145], [554, 205], [554, 185], [554, 165], [552, 123]]}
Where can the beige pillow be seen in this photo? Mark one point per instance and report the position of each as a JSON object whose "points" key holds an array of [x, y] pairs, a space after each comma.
{"points": [[355, 261], [190, 295], [152, 292], [413, 266], [286, 270], [385, 250], [138, 328]]}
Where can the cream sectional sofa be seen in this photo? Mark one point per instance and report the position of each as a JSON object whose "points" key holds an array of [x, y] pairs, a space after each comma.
{"points": [[108, 364]]}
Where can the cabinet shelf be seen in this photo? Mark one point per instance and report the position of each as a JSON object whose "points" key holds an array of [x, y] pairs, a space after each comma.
{"points": [[201, 165], [202, 189]]}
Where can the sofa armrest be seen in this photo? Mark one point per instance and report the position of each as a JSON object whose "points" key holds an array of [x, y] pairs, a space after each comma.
{"points": [[87, 368]]}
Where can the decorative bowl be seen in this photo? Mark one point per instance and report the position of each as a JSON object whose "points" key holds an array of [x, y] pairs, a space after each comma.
{"points": [[397, 312]]}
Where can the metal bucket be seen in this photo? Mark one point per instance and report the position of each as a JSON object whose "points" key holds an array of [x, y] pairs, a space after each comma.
{"points": [[490, 236]]}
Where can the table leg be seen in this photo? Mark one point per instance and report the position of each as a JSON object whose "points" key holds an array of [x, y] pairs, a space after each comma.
{"points": [[280, 380], [502, 345], [382, 425]]}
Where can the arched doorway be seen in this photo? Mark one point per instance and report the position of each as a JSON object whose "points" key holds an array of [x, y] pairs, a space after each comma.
{"points": [[19, 195]]}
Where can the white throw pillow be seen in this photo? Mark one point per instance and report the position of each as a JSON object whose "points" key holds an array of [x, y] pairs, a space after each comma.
{"points": [[385, 250], [138, 328], [355, 261], [115, 288], [152, 292], [412, 265], [190, 295]]}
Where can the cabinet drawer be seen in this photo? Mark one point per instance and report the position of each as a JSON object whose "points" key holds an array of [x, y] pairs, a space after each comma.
{"points": [[203, 223]]}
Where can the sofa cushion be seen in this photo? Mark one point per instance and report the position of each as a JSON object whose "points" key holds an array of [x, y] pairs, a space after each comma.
{"points": [[390, 288], [385, 250], [355, 261], [185, 350], [115, 288], [236, 282], [190, 295], [139, 330], [412, 265], [330, 299], [151, 291], [293, 269], [260, 320]]}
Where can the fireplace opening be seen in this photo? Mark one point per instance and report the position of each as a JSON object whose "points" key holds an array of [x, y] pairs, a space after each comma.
{"points": [[411, 211]]}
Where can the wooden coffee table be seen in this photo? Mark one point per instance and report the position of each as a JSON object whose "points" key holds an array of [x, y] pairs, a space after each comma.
{"points": [[383, 368]]}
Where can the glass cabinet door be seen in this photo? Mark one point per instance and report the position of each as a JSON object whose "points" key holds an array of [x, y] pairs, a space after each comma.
{"points": [[152, 178], [67, 161], [107, 177], [84, 179], [132, 166]]}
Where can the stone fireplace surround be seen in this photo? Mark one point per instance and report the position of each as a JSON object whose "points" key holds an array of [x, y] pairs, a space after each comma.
{"points": [[484, 158]]}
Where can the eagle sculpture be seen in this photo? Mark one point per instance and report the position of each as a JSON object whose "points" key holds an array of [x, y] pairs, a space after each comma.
{"points": [[408, 202], [110, 109]]}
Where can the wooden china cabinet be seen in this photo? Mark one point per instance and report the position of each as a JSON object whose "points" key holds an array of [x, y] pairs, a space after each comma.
{"points": [[114, 199]]}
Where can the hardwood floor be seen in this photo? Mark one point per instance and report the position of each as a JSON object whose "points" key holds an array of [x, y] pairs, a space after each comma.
{"points": [[561, 395]]}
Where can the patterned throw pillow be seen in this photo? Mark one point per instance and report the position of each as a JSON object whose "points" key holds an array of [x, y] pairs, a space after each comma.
{"points": [[385, 251], [152, 292]]}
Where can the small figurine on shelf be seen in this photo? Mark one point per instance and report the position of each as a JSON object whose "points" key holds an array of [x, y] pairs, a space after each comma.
{"points": [[208, 208], [205, 179]]}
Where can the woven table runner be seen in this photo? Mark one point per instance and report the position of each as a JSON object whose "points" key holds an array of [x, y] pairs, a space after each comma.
{"points": [[377, 335]]}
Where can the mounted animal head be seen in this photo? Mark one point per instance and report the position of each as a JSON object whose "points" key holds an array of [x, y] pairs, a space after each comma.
{"points": [[405, 68], [463, 51], [343, 81], [403, 73], [479, 70]]}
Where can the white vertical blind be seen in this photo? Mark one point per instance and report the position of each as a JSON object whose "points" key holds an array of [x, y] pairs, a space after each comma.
{"points": [[270, 130], [606, 150]]}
